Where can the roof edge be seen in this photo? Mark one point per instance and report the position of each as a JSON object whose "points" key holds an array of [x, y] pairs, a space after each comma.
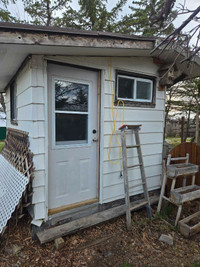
{"points": [[58, 30]]}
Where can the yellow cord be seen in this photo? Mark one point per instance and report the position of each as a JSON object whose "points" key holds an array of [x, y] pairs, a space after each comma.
{"points": [[114, 118]]}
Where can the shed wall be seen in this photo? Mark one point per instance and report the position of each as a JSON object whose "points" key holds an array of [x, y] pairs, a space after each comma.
{"points": [[152, 120], [31, 106], [31, 118]]}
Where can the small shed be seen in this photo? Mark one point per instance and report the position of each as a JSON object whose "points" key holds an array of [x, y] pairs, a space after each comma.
{"points": [[61, 87]]}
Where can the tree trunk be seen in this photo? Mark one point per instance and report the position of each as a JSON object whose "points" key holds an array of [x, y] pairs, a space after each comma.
{"points": [[2, 102], [182, 128], [197, 128], [188, 126], [48, 14]]}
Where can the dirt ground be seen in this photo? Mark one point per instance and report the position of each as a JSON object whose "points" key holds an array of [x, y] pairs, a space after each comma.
{"points": [[108, 244]]}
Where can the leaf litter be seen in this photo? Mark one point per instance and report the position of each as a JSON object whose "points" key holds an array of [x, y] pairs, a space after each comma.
{"points": [[92, 247]]}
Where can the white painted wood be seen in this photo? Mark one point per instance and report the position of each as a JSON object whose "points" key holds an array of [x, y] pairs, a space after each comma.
{"points": [[31, 92], [38, 194], [113, 178], [39, 161], [146, 138], [118, 190], [38, 129], [147, 149], [32, 95], [108, 98], [39, 178], [148, 161], [134, 115], [37, 145], [39, 211], [30, 104], [147, 127], [74, 165], [31, 112]]}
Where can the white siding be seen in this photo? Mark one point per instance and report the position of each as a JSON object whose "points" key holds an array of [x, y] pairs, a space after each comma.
{"points": [[31, 118], [152, 120]]}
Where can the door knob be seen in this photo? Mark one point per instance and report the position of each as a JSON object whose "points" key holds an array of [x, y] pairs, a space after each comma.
{"points": [[95, 139], [94, 131]]}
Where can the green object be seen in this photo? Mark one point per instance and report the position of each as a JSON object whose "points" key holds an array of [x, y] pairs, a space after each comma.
{"points": [[2, 133]]}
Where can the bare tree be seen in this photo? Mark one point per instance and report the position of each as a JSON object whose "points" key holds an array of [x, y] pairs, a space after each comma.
{"points": [[178, 37]]}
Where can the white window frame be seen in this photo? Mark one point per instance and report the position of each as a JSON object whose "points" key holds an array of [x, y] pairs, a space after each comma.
{"points": [[134, 99], [69, 144], [13, 103]]}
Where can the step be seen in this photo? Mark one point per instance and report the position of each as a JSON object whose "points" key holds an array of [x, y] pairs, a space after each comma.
{"points": [[135, 207], [50, 234], [134, 146], [134, 166], [136, 185], [184, 194]]}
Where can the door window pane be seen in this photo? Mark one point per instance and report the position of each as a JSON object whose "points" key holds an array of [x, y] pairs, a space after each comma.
{"points": [[70, 96], [125, 87], [143, 90], [72, 128]]}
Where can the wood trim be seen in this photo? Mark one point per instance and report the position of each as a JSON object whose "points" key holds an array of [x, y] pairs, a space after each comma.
{"points": [[98, 130], [72, 206], [57, 62], [79, 204]]}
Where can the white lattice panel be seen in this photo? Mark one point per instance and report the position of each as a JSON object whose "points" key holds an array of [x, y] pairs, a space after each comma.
{"points": [[12, 185]]}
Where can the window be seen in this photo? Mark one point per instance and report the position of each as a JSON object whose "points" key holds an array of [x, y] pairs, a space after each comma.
{"points": [[135, 89], [71, 112], [13, 102]]}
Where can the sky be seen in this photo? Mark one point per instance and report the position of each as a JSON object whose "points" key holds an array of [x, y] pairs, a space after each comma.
{"points": [[17, 10]]}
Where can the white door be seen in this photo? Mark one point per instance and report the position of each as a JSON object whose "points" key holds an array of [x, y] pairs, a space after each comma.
{"points": [[73, 135]]}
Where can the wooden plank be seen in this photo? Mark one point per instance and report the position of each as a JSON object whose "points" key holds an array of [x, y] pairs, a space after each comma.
{"points": [[125, 177], [184, 194], [187, 230], [72, 206], [181, 169], [83, 223], [194, 158]]}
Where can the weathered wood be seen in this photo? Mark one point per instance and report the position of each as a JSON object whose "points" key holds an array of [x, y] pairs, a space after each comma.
{"points": [[139, 205], [83, 223], [66, 40], [185, 194], [175, 170], [162, 192], [142, 171], [180, 151], [125, 177], [185, 229]]}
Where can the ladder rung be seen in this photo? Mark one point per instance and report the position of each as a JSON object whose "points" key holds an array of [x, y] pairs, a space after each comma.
{"points": [[132, 146], [139, 205], [133, 166], [136, 185]]}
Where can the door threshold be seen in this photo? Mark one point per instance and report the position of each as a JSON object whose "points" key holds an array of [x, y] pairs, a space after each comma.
{"points": [[72, 206]]}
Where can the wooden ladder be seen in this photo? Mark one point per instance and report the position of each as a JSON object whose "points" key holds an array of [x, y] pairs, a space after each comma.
{"points": [[146, 203]]}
